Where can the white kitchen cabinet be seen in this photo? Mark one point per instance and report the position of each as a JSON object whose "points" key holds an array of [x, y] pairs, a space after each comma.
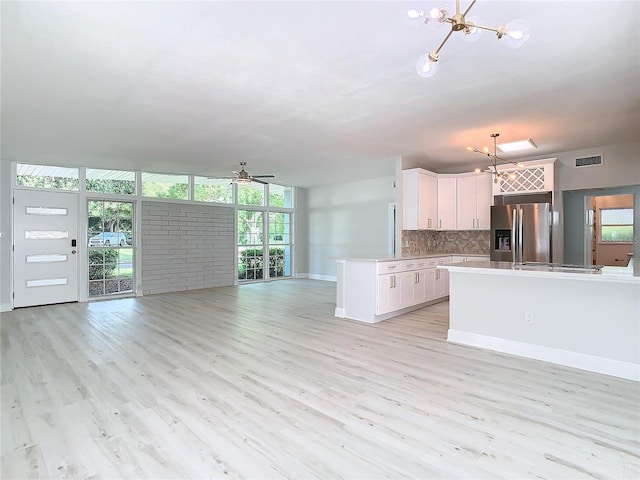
{"points": [[441, 283], [447, 202], [419, 199], [474, 200], [370, 290], [389, 297], [420, 289]]}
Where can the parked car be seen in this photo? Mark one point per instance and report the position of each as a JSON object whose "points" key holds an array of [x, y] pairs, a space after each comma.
{"points": [[107, 239]]}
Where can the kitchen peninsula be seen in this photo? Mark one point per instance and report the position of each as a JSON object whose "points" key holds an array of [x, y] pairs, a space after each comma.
{"points": [[375, 289], [578, 318]]}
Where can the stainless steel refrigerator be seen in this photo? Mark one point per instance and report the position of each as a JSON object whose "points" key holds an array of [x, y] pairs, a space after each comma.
{"points": [[521, 233]]}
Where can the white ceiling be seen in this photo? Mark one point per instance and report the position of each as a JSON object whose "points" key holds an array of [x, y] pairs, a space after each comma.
{"points": [[313, 92]]}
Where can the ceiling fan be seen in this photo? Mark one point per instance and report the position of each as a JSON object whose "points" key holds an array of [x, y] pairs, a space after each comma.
{"points": [[243, 177]]}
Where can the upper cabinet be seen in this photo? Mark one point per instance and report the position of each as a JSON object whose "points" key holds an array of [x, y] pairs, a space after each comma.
{"points": [[474, 199], [447, 202], [537, 176], [420, 199], [463, 201]]}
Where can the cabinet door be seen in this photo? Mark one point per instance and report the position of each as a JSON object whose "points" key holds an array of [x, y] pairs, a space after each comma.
{"points": [[420, 287], [388, 294], [419, 200], [442, 283], [466, 199], [410, 199], [428, 201], [407, 282], [447, 203], [430, 283], [484, 200], [383, 287]]}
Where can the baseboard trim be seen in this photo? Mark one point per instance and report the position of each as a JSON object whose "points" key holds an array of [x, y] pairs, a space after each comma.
{"points": [[592, 363], [5, 307], [340, 312], [314, 276]]}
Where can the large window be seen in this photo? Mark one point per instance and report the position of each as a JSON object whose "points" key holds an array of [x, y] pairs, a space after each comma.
{"points": [[280, 196], [250, 194], [44, 176], [212, 190], [161, 185], [111, 181], [616, 225]]}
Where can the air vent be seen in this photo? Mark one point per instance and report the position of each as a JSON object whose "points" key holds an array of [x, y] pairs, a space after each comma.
{"points": [[589, 161]]}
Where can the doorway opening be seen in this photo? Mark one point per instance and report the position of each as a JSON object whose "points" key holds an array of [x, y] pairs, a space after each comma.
{"points": [[609, 239]]}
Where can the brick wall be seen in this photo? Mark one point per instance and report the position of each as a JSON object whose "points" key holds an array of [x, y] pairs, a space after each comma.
{"points": [[186, 247]]}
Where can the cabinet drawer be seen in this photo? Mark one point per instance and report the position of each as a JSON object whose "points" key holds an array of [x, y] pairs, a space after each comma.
{"points": [[388, 267]]}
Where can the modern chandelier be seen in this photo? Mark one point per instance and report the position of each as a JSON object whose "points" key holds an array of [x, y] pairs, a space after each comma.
{"points": [[494, 158], [514, 34]]}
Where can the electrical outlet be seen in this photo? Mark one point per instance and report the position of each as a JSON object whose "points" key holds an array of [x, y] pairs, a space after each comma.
{"points": [[528, 318]]}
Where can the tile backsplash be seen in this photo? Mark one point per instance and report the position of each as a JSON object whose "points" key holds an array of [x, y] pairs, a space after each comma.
{"points": [[430, 242]]}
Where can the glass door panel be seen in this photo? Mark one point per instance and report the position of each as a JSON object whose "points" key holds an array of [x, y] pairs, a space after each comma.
{"points": [[110, 246], [279, 244], [250, 245]]}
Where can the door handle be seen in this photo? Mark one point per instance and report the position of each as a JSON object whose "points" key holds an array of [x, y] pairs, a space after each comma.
{"points": [[73, 252]]}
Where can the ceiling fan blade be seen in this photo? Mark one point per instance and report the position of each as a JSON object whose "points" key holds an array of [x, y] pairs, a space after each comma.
{"points": [[263, 176], [254, 179]]}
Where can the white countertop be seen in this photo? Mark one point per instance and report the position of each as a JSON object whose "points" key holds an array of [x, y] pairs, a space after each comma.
{"points": [[415, 257], [607, 274]]}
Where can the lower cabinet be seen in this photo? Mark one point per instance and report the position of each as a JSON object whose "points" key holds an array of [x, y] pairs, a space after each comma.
{"points": [[442, 283], [370, 290], [388, 293], [406, 289]]}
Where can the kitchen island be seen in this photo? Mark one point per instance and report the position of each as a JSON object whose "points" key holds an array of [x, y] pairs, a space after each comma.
{"points": [[375, 289], [573, 317]]}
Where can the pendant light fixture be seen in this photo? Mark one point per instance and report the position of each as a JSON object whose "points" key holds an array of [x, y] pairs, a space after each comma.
{"points": [[513, 34], [494, 158]]}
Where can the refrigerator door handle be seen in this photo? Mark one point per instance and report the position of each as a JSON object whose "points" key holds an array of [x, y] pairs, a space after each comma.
{"points": [[514, 236], [520, 235]]}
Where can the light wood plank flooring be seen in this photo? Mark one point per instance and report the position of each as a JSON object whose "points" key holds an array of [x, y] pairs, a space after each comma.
{"points": [[261, 381]]}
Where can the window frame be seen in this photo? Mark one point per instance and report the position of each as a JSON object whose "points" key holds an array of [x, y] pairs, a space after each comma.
{"points": [[602, 224]]}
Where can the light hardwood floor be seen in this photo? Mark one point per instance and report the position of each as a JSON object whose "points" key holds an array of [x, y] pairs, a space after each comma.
{"points": [[261, 381]]}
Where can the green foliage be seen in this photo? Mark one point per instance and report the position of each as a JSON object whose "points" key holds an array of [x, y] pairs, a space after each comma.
{"points": [[213, 193], [276, 200], [102, 263], [250, 195], [165, 190], [107, 216], [251, 263], [250, 227], [617, 233], [39, 181], [121, 187]]}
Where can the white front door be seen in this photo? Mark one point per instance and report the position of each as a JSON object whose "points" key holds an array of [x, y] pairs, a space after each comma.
{"points": [[45, 258]]}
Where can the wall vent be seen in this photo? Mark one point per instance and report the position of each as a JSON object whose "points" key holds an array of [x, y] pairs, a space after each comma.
{"points": [[589, 161]]}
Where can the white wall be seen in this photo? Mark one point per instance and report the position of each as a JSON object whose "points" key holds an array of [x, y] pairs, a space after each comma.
{"points": [[621, 166], [348, 220], [301, 232], [5, 241]]}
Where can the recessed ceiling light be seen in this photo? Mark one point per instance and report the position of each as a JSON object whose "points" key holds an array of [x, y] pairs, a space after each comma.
{"points": [[517, 146]]}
